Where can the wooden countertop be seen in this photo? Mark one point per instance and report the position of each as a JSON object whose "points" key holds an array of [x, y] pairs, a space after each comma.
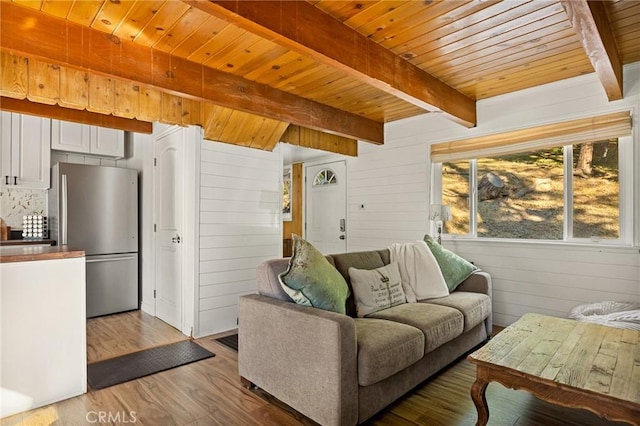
{"points": [[28, 253], [26, 242]]}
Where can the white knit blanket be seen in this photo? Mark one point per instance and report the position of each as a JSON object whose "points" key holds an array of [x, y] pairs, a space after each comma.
{"points": [[611, 313], [419, 271]]}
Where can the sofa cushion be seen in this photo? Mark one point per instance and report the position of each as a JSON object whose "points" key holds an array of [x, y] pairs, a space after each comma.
{"points": [[376, 289], [475, 307], [384, 348], [454, 268], [358, 260], [311, 280], [439, 324]]}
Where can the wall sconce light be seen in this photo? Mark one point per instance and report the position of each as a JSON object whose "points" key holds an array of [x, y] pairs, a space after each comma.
{"points": [[439, 213]]}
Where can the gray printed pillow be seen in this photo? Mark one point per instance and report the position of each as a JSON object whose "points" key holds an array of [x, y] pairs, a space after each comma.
{"points": [[376, 289]]}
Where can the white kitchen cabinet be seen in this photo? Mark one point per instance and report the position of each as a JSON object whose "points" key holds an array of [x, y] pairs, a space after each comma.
{"points": [[70, 137], [25, 151], [86, 139], [107, 142], [43, 321]]}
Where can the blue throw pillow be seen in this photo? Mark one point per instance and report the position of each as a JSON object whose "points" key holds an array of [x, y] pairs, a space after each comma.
{"points": [[454, 268], [311, 280]]}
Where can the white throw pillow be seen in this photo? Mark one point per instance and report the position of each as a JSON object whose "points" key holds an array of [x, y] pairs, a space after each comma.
{"points": [[419, 270], [376, 289]]}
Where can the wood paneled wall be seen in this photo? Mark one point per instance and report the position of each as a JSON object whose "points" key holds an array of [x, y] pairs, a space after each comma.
{"points": [[52, 84], [88, 97], [393, 183], [240, 210], [551, 280]]}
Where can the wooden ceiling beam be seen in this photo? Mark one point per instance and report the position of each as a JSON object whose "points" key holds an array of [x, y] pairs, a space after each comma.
{"points": [[33, 34], [25, 106], [308, 138], [305, 29], [591, 23]]}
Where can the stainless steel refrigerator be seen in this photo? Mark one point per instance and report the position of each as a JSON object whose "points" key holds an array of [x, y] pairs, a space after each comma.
{"points": [[95, 209]]}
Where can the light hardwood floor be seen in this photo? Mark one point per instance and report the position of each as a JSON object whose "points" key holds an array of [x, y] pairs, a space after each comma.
{"points": [[208, 392]]}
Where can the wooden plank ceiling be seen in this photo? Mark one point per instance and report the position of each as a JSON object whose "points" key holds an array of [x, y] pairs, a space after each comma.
{"points": [[246, 70]]}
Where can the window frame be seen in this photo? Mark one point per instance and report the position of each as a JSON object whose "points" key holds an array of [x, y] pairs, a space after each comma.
{"points": [[626, 200]]}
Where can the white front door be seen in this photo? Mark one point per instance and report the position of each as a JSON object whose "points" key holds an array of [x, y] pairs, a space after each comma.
{"points": [[168, 206], [326, 207]]}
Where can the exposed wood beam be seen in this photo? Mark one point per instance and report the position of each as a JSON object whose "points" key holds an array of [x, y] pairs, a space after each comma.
{"points": [[25, 106], [34, 34], [304, 28], [591, 23], [309, 138]]}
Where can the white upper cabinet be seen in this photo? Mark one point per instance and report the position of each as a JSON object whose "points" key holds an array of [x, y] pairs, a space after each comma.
{"points": [[85, 139], [71, 137], [25, 151], [108, 142]]}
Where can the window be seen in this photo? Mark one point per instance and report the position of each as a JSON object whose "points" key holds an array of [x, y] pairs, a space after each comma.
{"points": [[325, 177], [522, 196], [560, 192]]}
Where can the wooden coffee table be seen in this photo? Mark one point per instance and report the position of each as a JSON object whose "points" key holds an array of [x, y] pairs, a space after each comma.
{"points": [[565, 362]]}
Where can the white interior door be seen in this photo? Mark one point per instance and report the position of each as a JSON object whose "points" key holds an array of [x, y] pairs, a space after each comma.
{"points": [[168, 211], [326, 207]]}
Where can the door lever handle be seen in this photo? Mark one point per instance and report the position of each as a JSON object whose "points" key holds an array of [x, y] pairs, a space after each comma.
{"points": [[342, 237], [176, 239]]}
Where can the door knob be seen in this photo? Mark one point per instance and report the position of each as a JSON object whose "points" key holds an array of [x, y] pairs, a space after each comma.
{"points": [[176, 239], [342, 237]]}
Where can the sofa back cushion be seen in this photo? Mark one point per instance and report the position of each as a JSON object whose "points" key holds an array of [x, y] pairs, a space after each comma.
{"points": [[359, 260]]}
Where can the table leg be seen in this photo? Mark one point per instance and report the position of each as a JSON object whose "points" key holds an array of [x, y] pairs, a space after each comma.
{"points": [[479, 399]]}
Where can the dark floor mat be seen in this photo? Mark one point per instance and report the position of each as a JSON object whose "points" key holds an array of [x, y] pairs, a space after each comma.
{"points": [[121, 369], [230, 341]]}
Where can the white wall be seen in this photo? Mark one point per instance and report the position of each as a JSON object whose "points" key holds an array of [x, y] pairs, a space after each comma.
{"points": [[392, 181], [240, 226]]}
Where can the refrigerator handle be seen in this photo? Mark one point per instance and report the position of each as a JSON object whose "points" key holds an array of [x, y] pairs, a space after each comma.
{"points": [[63, 210], [110, 259]]}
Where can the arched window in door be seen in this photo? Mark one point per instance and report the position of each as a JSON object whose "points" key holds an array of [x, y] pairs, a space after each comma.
{"points": [[325, 177]]}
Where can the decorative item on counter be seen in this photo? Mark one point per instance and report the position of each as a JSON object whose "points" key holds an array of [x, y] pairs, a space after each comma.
{"points": [[5, 231], [35, 227]]}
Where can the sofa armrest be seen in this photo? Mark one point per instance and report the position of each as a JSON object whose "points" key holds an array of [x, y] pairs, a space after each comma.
{"points": [[305, 357], [480, 282]]}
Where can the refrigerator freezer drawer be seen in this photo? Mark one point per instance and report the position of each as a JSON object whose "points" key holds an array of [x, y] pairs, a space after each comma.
{"points": [[112, 284]]}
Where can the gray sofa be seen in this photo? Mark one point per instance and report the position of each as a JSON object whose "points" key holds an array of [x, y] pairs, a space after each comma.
{"points": [[339, 369]]}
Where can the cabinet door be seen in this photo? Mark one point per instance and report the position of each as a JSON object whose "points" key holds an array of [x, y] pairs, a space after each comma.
{"points": [[72, 137], [108, 142], [5, 148], [31, 155]]}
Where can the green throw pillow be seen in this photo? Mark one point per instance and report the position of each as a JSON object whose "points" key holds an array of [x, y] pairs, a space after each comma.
{"points": [[454, 268], [311, 280]]}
